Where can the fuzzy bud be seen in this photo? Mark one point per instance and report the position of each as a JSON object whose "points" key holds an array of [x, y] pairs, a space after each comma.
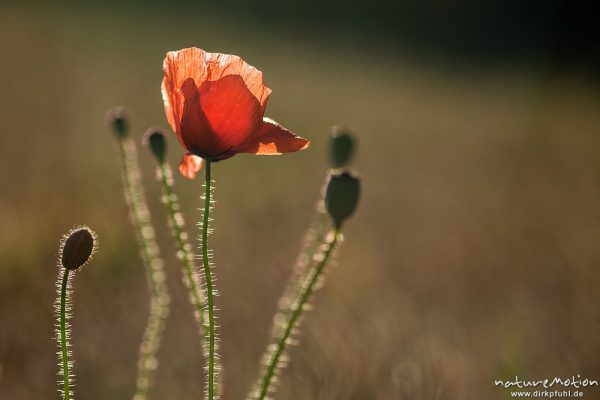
{"points": [[77, 247], [341, 147], [341, 196], [156, 139], [117, 119]]}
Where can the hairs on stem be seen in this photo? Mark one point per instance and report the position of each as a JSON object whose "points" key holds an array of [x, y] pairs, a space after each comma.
{"points": [[76, 249], [190, 275], [311, 240], [287, 320], [213, 368], [62, 308], [149, 252]]}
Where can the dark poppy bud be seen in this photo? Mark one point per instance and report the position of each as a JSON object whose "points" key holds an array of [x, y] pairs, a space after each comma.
{"points": [[77, 248], [341, 196], [156, 139], [117, 119], [341, 147]]}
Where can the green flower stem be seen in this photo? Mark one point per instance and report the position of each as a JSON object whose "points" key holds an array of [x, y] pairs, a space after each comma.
{"points": [[64, 293], [212, 367], [309, 286], [149, 251], [184, 249], [312, 238]]}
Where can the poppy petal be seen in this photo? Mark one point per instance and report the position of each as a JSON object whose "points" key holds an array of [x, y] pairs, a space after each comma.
{"points": [[231, 111], [190, 165], [203, 66], [274, 139], [194, 132], [218, 65]]}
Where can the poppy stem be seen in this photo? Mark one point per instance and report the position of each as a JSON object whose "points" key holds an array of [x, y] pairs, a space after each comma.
{"points": [[184, 249], [76, 249], [63, 332], [307, 288], [153, 264], [311, 241], [212, 367], [312, 238]]}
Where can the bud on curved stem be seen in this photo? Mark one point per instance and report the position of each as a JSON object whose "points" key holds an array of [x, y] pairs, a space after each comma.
{"points": [[76, 249]]}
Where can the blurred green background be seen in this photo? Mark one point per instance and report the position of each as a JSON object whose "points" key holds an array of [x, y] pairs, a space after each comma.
{"points": [[473, 256]]}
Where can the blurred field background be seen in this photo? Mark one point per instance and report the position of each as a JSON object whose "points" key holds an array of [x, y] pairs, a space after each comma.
{"points": [[474, 254]]}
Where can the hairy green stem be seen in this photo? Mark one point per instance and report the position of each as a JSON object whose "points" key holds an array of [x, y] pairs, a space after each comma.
{"points": [[149, 251], [303, 296], [212, 368], [64, 293], [312, 239], [184, 249]]}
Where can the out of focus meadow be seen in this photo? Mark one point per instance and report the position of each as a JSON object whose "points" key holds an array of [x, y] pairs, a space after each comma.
{"points": [[474, 254]]}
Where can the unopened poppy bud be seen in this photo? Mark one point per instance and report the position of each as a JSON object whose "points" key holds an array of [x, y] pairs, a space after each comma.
{"points": [[155, 138], [117, 119], [341, 147], [77, 248], [341, 196]]}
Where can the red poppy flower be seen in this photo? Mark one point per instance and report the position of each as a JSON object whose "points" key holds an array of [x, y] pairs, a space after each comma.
{"points": [[216, 104]]}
